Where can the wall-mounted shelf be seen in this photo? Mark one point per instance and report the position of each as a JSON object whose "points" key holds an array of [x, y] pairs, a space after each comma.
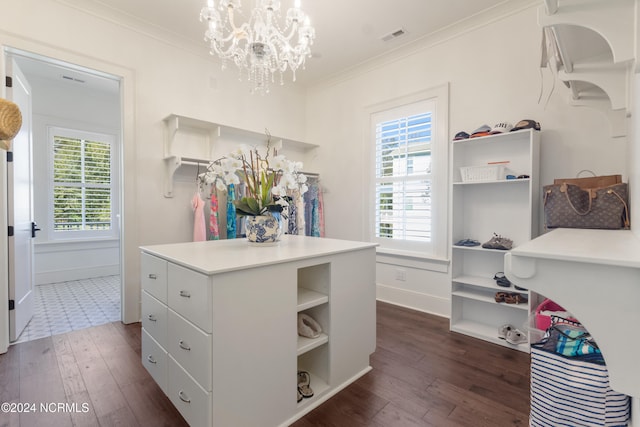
{"points": [[191, 142], [596, 53]]}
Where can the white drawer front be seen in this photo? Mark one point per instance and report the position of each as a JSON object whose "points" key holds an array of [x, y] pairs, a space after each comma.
{"points": [[154, 359], [190, 295], [154, 318], [154, 276], [188, 397], [191, 347]]}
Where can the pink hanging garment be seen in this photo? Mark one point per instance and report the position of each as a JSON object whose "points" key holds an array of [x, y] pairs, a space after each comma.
{"points": [[199, 227], [214, 231], [321, 211]]}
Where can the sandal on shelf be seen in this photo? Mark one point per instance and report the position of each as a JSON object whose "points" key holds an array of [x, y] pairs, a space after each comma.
{"points": [[299, 395], [515, 298], [516, 337], [501, 296], [304, 385], [504, 330]]}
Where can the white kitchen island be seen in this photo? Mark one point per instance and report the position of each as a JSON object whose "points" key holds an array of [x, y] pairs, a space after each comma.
{"points": [[219, 325]]}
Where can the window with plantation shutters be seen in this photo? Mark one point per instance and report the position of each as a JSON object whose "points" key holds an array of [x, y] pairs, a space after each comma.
{"points": [[403, 178], [82, 181], [409, 175]]}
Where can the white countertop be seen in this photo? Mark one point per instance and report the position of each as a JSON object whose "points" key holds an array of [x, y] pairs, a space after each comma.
{"points": [[219, 256], [607, 247]]}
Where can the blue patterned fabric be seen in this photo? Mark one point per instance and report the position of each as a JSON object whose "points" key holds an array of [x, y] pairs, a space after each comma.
{"points": [[575, 342], [293, 220], [231, 212]]}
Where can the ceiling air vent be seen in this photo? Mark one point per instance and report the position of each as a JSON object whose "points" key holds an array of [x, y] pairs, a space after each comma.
{"points": [[394, 35], [73, 79]]}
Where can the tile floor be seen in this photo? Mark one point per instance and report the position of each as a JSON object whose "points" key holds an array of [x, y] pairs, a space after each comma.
{"points": [[67, 306]]}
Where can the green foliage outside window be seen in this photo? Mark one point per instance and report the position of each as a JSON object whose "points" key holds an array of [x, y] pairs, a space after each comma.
{"points": [[82, 184]]}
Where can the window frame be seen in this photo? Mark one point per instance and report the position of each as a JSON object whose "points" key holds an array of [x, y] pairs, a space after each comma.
{"points": [[112, 232], [438, 99]]}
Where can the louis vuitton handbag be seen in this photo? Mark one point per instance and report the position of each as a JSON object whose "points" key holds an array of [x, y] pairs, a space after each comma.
{"points": [[567, 205]]}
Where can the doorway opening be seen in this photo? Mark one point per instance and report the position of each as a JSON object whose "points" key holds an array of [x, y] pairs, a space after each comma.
{"points": [[76, 127]]}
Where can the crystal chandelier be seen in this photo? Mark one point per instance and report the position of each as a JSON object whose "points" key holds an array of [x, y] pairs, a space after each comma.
{"points": [[261, 45]]}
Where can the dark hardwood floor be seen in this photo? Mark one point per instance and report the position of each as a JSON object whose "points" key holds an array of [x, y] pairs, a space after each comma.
{"points": [[423, 375]]}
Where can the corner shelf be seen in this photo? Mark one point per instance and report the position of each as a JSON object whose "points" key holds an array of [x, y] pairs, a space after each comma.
{"points": [[190, 142]]}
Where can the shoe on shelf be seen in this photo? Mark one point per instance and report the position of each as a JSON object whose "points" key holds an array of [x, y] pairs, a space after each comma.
{"points": [[501, 280], [498, 242], [501, 296], [467, 242], [304, 385], [516, 337], [504, 330], [308, 327], [515, 298]]}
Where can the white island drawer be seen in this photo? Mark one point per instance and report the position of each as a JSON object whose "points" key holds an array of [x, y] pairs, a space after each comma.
{"points": [[191, 347], [191, 400], [190, 296], [154, 359], [154, 276], [154, 318]]}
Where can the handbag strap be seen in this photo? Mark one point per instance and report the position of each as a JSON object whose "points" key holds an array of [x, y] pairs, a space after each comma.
{"points": [[564, 189], [626, 208]]}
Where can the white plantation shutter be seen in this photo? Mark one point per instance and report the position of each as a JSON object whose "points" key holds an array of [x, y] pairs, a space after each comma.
{"points": [[82, 183], [403, 178]]}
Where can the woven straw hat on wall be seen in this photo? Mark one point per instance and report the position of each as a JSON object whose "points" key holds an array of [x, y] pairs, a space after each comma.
{"points": [[10, 122]]}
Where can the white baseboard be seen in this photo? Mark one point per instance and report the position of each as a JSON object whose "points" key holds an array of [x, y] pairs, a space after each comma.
{"points": [[67, 275], [414, 300]]}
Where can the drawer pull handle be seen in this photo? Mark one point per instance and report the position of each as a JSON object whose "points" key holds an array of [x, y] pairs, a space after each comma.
{"points": [[151, 359], [185, 294], [153, 276], [184, 346], [152, 318], [182, 395]]}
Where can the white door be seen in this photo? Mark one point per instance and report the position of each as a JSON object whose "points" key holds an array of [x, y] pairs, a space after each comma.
{"points": [[20, 209]]}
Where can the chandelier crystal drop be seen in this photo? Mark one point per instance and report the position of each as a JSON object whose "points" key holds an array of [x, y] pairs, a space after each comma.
{"points": [[261, 46]]}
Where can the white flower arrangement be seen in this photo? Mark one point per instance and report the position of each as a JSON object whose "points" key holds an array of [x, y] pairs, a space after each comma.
{"points": [[268, 178]]}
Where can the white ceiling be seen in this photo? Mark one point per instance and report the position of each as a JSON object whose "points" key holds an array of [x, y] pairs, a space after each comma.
{"points": [[348, 32]]}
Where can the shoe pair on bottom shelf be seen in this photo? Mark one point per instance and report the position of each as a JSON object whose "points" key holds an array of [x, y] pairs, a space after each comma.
{"points": [[304, 385], [510, 334]]}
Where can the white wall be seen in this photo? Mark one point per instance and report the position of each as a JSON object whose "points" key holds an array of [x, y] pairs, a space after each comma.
{"points": [[494, 76], [160, 77]]}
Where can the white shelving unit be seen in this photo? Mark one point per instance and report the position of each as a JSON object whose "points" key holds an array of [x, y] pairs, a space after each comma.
{"points": [[191, 142], [508, 207]]}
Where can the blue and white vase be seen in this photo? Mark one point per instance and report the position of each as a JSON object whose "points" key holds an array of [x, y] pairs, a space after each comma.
{"points": [[264, 228]]}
